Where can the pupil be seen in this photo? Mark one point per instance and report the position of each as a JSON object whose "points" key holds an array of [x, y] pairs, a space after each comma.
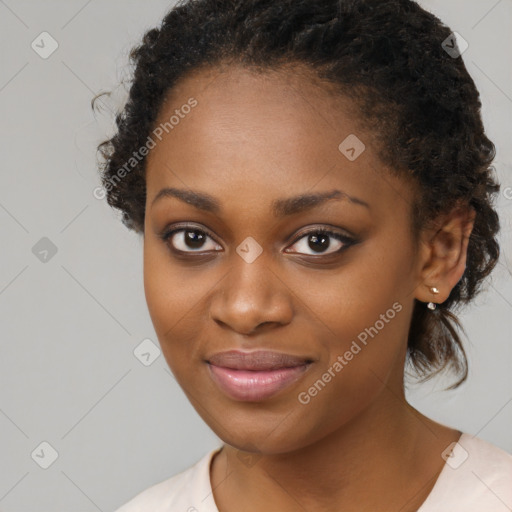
{"points": [[194, 239], [318, 242]]}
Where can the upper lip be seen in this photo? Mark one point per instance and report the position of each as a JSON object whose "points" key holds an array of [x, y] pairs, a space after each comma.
{"points": [[256, 360]]}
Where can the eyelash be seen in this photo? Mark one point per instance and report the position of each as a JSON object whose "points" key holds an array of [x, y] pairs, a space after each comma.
{"points": [[346, 240]]}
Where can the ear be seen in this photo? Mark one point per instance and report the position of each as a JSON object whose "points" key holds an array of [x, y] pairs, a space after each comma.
{"points": [[443, 252]]}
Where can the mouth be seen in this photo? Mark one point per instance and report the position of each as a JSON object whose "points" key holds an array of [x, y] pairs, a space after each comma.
{"points": [[255, 376]]}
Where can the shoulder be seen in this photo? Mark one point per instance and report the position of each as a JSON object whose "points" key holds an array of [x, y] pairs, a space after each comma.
{"points": [[477, 476], [486, 456], [189, 490]]}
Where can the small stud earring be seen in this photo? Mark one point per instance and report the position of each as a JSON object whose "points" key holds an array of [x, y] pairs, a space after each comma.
{"points": [[432, 305]]}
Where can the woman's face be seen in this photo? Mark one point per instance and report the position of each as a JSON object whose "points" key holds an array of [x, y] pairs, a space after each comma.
{"points": [[253, 273]]}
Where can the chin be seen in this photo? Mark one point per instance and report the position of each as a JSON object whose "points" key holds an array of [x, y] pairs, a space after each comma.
{"points": [[267, 434]]}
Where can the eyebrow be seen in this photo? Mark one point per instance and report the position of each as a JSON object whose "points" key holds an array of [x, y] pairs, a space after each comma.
{"points": [[280, 207]]}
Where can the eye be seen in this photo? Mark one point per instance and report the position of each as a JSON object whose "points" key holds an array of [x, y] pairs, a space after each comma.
{"points": [[319, 240], [189, 239]]}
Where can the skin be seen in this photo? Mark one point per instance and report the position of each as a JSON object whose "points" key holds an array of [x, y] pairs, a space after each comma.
{"points": [[254, 138]]}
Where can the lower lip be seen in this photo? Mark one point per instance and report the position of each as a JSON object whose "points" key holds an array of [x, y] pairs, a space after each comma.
{"points": [[250, 385]]}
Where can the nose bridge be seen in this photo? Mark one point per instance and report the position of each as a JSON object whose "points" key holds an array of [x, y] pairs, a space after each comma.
{"points": [[249, 283]]}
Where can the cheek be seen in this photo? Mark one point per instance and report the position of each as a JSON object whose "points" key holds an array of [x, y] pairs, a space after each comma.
{"points": [[168, 294], [364, 321], [175, 299], [359, 363], [347, 304]]}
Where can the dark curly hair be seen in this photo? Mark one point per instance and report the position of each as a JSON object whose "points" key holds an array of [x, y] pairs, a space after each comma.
{"points": [[417, 100]]}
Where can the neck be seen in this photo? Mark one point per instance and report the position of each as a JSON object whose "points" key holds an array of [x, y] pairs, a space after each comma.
{"points": [[381, 460]]}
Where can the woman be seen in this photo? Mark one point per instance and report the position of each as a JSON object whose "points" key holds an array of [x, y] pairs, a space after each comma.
{"points": [[312, 182]]}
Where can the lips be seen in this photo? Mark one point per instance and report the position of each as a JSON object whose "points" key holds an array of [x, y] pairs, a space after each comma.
{"points": [[257, 360], [255, 376]]}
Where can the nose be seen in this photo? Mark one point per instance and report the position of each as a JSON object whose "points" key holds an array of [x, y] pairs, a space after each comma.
{"points": [[251, 298]]}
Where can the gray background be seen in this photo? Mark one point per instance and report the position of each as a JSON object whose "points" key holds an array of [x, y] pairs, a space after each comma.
{"points": [[70, 324]]}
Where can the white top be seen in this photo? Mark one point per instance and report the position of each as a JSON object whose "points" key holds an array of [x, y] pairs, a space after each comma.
{"points": [[476, 477]]}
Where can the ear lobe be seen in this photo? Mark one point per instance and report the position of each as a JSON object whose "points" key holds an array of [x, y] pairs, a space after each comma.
{"points": [[445, 253]]}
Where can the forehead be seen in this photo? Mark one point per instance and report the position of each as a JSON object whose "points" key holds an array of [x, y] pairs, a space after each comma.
{"points": [[256, 134], [291, 94]]}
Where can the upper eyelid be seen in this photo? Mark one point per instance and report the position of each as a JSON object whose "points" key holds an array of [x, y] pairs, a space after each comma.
{"points": [[175, 229], [326, 228]]}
